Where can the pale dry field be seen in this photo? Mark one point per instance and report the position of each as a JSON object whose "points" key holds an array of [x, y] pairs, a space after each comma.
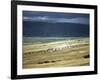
{"points": [[56, 54]]}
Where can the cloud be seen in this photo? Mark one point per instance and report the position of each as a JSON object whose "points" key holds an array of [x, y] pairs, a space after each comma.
{"points": [[39, 18], [79, 20], [75, 20]]}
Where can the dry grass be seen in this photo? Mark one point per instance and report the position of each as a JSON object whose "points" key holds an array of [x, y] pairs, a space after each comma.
{"points": [[37, 56]]}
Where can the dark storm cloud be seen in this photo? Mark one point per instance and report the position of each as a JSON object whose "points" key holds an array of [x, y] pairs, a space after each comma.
{"points": [[55, 17]]}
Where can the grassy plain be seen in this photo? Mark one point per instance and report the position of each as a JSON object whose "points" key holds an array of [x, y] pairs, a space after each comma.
{"points": [[50, 54]]}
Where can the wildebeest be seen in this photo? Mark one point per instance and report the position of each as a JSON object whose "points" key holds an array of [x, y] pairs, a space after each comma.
{"points": [[50, 50], [58, 48]]}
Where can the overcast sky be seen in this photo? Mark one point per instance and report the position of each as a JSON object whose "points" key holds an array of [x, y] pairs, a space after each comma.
{"points": [[56, 17]]}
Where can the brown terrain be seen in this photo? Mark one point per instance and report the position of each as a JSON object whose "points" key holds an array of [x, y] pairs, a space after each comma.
{"points": [[56, 54]]}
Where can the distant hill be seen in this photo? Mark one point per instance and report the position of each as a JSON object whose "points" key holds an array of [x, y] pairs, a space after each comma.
{"points": [[47, 29]]}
